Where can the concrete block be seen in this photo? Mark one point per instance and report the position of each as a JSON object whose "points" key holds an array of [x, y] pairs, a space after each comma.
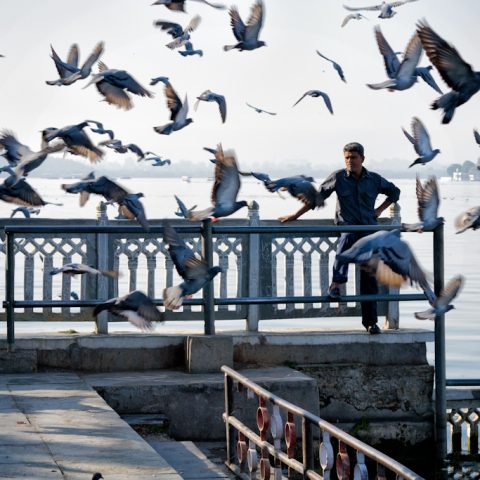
{"points": [[207, 353], [20, 361]]}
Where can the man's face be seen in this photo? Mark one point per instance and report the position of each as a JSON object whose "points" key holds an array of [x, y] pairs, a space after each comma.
{"points": [[353, 162]]}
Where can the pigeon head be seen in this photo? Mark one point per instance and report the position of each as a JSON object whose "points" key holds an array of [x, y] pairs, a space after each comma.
{"points": [[261, 43], [213, 272]]}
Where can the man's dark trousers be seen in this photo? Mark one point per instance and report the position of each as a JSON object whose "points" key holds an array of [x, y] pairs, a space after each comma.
{"points": [[368, 284]]}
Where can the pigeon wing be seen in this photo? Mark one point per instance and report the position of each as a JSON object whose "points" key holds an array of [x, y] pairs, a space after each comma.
{"points": [[173, 101], [227, 178], [456, 73], [327, 101], [179, 252], [422, 139], [450, 291], [237, 24], [114, 95], [355, 9], [428, 199], [73, 54], [391, 61], [92, 58], [255, 21], [411, 57]]}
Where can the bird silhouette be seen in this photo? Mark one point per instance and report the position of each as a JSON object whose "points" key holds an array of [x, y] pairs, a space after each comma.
{"points": [[179, 34], [73, 269], [183, 211], [178, 112], [386, 8], [225, 188], [68, 71], [76, 140], [456, 73], [164, 80], [96, 476], [156, 159], [247, 34], [402, 75], [389, 259], [421, 142], [315, 94], [352, 16], [114, 84], [119, 147], [335, 65], [442, 304], [132, 209], [193, 270], [189, 50], [17, 190], [26, 211], [260, 110], [179, 5], [428, 199], [135, 307], [209, 96], [468, 219], [99, 128]]}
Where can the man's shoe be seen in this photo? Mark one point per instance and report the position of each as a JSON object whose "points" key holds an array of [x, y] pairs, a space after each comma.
{"points": [[374, 329], [333, 292]]}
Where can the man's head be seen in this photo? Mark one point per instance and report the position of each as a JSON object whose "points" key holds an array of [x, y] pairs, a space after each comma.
{"points": [[354, 156]]}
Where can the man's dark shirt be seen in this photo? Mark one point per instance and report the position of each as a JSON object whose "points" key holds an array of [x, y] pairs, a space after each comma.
{"points": [[356, 198]]}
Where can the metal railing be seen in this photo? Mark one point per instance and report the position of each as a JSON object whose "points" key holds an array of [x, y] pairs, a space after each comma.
{"points": [[278, 440]]}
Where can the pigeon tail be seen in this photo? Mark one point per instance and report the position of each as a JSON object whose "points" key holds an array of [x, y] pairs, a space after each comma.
{"points": [[386, 84], [226, 48], [417, 161], [200, 215], [425, 315], [110, 273], [448, 103], [172, 298]]}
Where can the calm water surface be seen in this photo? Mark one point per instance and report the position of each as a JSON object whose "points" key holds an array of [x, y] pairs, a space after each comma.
{"points": [[462, 255]]}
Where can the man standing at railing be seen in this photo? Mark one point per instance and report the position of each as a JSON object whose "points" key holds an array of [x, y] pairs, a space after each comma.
{"points": [[357, 190]]}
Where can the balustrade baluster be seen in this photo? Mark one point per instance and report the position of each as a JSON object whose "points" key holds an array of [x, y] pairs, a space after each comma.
{"points": [[28, 279], [66, 285], [151, 266], [473, 419], [307, 278], [47, 280]]}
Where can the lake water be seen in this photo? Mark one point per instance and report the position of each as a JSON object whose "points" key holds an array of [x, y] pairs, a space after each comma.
{"points": [[462, 255]]}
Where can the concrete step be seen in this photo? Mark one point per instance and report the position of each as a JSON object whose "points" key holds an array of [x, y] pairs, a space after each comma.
{"points": [[56, 426]]}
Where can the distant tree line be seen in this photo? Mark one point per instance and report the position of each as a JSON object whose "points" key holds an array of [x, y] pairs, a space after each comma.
{"points": [[466, 169]]}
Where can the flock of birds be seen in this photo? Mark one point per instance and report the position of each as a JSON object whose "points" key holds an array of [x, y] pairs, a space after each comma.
{"points": [[384, 254]]}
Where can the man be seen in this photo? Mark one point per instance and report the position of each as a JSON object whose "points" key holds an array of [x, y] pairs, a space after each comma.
{"points": [[357, 190]]}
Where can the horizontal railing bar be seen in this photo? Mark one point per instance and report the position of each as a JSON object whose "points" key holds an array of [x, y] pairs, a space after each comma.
{"points": [[218, 229], [463, 382], [234, 301], [346, 438]]}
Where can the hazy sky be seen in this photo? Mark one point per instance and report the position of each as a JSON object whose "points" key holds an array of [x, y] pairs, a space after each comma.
{"points": [[273, 77]]}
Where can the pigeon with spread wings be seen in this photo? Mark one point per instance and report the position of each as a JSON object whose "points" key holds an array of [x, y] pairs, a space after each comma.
{"points": [[179, 5], [225, 188], [178, 112], [179, 34], [386, 8], [421, 143], [193, 270], [316, 94], [209, 96]]}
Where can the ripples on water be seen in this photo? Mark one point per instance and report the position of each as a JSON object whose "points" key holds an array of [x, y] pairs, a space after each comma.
{"points": [[462, 255]]}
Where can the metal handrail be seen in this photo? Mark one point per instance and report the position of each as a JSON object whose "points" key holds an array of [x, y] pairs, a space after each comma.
{"points": [[312, 419]]}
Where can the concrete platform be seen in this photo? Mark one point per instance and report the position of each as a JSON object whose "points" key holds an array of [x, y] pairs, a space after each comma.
{"points": [[53, 425]]}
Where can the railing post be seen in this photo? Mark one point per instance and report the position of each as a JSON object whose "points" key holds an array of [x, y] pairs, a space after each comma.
{"points": [[229, 430], [207, 254], [253, 267], [102, 264], [10, 291], [392, 320], [307, 445], [440, 368]]}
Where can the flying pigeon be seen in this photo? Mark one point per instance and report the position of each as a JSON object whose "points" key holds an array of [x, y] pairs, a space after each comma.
{"points": [[209, 96], [192, 269], [247, 34], [135, 307], [468, 219], [18, 191], [315, 94], [386, 8], [456, 73], [335, 65], [178, 112], [352, 16], [68, 71], [179, 5], [428, 198], [401, 75], [189, 50], [260, 110], [225, 188], [27, 211], [80, 269], [183, 211], [441, 304], [421, 142], [180, 35], [113, 85]]}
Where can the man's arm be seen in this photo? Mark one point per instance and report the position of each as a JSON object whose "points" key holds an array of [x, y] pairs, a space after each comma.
{"points": [[391, 191], [385, 204], [294, 216]]}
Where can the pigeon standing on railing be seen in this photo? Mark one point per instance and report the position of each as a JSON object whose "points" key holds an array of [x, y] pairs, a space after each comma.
{"points": [[209, 96], [178, 112], [193, 270], [428, 198], [135, 307], [456, 73], [68, 71], [247, 34], [225, 188], [112, 83], [421, 143]]}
